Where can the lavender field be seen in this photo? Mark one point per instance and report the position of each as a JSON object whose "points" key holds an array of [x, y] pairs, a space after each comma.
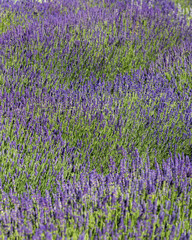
{"points": [[96, 119]]}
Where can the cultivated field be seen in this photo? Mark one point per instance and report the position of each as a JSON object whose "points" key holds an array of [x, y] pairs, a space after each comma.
{"points": [[96, 119]]}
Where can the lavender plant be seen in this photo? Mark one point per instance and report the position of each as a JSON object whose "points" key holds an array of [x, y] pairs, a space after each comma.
{"points": [[96, 120]]}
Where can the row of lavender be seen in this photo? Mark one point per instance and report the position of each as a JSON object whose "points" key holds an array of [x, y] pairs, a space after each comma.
{"points": [[75, 146]]}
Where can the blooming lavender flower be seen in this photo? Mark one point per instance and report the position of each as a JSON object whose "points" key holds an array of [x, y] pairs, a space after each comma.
{"points": [[95, 120]]}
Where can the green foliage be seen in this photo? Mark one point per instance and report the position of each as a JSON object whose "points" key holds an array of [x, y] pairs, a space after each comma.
{"points": [[102, 59]]}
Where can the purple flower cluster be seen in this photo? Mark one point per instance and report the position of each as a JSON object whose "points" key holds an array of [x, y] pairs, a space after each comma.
{"points": [[140, 201], [96, 120]]}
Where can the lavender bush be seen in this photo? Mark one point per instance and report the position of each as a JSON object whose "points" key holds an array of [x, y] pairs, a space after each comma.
{"points": [[96, 119]]}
